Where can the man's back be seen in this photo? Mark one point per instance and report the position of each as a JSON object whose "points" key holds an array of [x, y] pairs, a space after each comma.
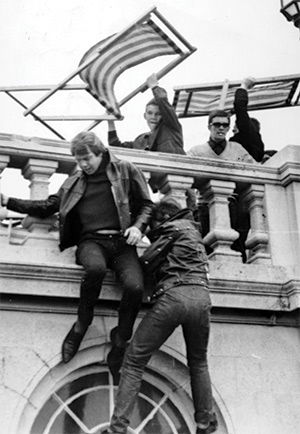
{"points": [[177, 254]]}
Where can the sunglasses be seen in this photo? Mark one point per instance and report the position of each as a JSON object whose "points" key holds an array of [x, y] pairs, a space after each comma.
{"points": [[220, 124]]}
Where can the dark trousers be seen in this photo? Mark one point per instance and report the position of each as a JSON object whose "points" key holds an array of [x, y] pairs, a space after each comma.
{"points": [[98, 253], [240, 221], [188, 306]]}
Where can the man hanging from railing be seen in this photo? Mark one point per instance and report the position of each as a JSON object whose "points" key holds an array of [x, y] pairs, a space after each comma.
{"points": [[177, 266], [105, 236], [165, 131]]}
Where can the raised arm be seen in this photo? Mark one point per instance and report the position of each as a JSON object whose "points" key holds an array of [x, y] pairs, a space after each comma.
{"points": [[241, 104], [113, 139], [249, 135], [167, 111]]}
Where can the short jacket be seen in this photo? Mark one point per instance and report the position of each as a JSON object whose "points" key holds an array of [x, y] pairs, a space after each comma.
{"points": [[130, 193]]}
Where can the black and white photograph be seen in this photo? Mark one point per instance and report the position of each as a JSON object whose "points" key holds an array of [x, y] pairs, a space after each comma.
{"points": [[150, 217]]}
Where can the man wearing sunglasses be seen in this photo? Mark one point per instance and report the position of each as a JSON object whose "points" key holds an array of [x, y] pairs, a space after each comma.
{"points": [[217, 146]]}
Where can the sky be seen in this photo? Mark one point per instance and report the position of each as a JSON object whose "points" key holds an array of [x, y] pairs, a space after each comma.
{"points": [[42, 42]]}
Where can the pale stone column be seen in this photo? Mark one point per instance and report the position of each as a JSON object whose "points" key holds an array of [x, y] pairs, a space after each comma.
{"points": [[258, 239], [39, 173], [176, 186], [4, 160], [147, 176], [221, 235]]}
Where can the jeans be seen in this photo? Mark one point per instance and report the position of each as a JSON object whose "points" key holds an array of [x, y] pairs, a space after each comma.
{"points": [[188, 306], [98, 253]]}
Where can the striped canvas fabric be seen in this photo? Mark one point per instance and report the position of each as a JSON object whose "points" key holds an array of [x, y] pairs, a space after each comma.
{"points": [[143, 42], [200, 100]]}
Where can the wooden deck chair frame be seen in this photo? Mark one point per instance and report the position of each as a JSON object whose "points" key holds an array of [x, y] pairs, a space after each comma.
{"points": [[63, 85], [223, 88]]}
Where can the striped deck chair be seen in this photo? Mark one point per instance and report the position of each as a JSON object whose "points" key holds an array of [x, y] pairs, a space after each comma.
{"points": [[143, 42], [267, 93], [147, 38]]}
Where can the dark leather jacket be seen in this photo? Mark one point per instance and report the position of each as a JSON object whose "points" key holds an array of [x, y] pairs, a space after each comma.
{"points": [[130, 193], [176, 256]]}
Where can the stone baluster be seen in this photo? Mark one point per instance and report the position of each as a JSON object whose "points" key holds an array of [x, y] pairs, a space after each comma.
{"points": [[176, 186], [258, 239], [4, 160], [39, 173], [147, 176], [220, 236]]}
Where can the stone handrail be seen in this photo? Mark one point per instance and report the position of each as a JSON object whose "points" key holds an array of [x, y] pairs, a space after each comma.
{"points": [[271, 277]]}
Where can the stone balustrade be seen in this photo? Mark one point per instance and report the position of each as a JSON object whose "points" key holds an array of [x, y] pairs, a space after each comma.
{"points": [[269, 280]]}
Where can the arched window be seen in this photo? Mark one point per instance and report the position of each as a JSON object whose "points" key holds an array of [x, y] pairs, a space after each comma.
{"points": [[78, 398], [84, 404]]}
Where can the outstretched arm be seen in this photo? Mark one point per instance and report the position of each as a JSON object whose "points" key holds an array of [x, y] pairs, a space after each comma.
{"points": [[37, 208], [156, 253]]}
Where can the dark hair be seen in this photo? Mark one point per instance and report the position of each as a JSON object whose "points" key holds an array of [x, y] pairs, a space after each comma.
{"points": [[168, 206], [151, 102], [218, 113], [85, 142], [256, 124]]}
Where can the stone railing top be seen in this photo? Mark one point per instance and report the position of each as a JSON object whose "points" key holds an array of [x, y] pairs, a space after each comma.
{"points": [[20, 148]]}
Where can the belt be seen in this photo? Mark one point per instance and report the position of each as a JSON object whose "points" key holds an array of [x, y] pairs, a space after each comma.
{"points": [[108, 232], [176, 282]]}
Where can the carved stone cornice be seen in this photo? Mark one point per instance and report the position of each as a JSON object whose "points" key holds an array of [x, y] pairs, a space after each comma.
{"points": [[244, 287]]}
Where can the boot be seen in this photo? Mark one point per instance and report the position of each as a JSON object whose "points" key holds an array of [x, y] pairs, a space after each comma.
{"points": [[211, 426], [71, 344]]}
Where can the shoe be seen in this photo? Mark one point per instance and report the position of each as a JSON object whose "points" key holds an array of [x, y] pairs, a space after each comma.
{"points": [[211, 427], [71, 344], [116, 355], [207, 430], [107, 431]]}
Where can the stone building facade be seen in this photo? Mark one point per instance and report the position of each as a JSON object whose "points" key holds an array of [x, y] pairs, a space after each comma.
{"points": [[254, 346]]}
